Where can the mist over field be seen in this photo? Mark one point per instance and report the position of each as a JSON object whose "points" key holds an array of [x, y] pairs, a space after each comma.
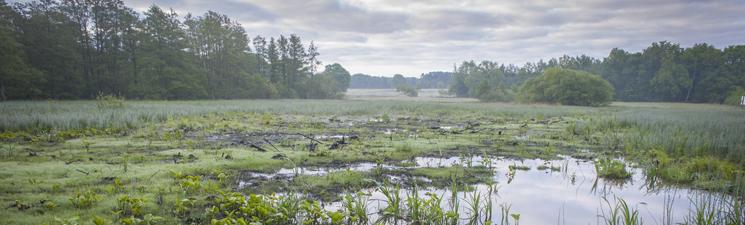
{"points": [[363, 112]]}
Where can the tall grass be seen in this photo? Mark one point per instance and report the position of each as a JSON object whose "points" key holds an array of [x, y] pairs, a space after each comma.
{"points": [[716, 210], [620, 213], [686, 130], [30, 115]]}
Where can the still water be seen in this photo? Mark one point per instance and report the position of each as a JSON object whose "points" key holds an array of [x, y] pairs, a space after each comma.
{"points": [[570, 193]]}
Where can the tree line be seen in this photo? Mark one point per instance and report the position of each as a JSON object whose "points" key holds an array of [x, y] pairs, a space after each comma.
{"points": [[78, 49], [663, 71], [431, 80]]}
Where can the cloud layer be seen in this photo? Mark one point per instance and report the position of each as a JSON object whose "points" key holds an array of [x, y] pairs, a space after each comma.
{"points": [[385, 37]]}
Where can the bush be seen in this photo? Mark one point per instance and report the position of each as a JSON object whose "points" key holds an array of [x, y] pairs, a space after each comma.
{"points": [[567, 87], [408, 90], [733, 96]]}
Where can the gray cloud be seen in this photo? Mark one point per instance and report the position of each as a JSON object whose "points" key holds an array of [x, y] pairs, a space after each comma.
{"points": [[411, 37], [237, 10]]}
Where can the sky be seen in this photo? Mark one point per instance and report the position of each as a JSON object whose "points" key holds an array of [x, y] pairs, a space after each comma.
{"points": [[411, 37]]}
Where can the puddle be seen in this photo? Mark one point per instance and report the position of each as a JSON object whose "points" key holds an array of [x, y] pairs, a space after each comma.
{"points": [[568, 192]]}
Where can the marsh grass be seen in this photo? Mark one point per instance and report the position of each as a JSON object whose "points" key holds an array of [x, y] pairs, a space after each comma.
{"points": [[715, 210], [66, 115], [612, 169], [620, 213], [679, 129], [415, 208], [54, 150]]}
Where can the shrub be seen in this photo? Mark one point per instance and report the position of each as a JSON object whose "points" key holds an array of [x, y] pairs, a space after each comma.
{"points": [[496, 95], [408, 90], [733, 96], [567, 87]]}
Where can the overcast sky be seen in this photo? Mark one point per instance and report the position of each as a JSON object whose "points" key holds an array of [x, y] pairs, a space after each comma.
{"points": [[410, 37]]}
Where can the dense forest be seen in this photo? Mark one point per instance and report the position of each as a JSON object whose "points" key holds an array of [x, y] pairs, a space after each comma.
{"points": [[431, 80], [663, 71], [72, 49]]}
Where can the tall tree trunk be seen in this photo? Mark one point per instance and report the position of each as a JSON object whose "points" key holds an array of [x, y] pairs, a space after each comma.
{"points": [[690, 89]]}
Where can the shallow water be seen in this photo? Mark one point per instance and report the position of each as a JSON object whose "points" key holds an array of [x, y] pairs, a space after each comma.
{"points": [[571, 195]]}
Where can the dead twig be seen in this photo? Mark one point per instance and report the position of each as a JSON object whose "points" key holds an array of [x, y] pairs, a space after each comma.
{"points": [[312, 139], [257, 147], [82, 171]]}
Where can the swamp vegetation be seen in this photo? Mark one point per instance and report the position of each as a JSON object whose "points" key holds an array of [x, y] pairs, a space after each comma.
{"points": [[112, 161]]}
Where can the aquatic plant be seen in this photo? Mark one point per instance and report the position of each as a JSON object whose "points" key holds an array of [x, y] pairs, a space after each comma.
{"points": [[620, 213], [355, 208], [475, 206], [392, 212], [505, 212], [613, 169]]}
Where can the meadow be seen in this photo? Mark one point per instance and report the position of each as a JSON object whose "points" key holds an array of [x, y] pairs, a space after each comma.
{"points": [[368, 160]]}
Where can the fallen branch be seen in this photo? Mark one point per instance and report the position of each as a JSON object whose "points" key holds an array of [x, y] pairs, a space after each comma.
{"points": [[312, 139], [251, 144], [82, 171], [73, 161]]}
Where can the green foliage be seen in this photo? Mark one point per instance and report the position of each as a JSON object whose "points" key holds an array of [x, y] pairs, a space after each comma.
{"points": [[661, 72], [339, 75], [323, 86], [191, 184], [486, 81], [407, 90], [670, 81], [128, 206], [85, 200], [613, 169], [234, 208], [665, 71], [355, 208], [48, 53], [18, 78], [734, 96], [568, 87]]}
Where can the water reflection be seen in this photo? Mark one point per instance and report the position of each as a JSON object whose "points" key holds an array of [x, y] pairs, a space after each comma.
{"points": [[564, 191]]}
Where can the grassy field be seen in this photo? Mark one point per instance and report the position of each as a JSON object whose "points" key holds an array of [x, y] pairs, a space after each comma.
{"points": [[169, 162]]}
